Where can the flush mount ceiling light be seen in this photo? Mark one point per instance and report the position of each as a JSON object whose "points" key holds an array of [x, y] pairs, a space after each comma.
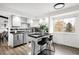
{"points": [[59, 5]]}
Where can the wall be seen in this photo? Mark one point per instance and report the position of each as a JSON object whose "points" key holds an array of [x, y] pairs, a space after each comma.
{"points": [[65, 38], [34, 22], [51, 25], [65, 15], [37, 21]]}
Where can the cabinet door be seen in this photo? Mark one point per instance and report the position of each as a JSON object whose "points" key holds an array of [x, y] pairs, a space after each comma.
{"points": [[16, 21], [58, 38], [20, 38], [16, 41], [71, 40], [25, 38]]}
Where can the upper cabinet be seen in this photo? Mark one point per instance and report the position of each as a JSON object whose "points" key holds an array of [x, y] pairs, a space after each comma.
{"points": [[20, 22], [16, 21], [24, 22]]}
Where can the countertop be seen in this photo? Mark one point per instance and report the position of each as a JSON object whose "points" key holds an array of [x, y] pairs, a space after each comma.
{"points": [[37, 35], [19, 32]]}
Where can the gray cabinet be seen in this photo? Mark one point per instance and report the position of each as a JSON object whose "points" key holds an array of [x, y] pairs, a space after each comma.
{"points": [[24, 37], [27, 39], [18, 39]]}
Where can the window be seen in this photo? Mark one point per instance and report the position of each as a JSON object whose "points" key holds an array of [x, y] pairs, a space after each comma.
{"points": [[65, 25]]}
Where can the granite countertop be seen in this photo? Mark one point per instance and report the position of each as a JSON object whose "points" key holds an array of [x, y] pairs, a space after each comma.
{"points": [[37, 35], [17, 32]]}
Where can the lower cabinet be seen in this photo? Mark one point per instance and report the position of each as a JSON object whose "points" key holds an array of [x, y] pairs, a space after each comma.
{"points": [[25, 38], [18, 39], [69, 39], [15, 40], [21, 38]]}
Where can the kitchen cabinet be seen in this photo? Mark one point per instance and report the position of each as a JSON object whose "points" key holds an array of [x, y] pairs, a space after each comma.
{"points": [[71, 40], [27, 38], [16, 39], [68, 39], [21, 38], [58, 38], [16, 21]]}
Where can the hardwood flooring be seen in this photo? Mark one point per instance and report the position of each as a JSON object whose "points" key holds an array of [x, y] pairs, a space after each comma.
{"points": [[25, 50], [65, 50], [19, 50]]}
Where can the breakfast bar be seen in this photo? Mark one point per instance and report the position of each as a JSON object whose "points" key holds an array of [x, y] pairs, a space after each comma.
{"points": [[35, 38]]}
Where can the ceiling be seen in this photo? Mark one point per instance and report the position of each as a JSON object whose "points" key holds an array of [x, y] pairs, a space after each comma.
{"points": [[35, 9]]}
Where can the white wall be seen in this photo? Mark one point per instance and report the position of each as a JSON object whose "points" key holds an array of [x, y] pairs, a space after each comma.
{"points": [[51, 24], [37, 21], [63, 16], [77, 25], [65, 38]]}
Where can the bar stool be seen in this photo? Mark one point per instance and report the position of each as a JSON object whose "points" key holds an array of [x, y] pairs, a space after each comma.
{"points": [[50, 43], [48, 51], [42, 42]]}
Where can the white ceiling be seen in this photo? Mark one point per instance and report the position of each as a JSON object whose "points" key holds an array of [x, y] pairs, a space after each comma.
{"points": [[35, 9]]}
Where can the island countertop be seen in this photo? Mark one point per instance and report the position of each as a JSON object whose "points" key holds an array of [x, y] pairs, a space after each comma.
{"points": [[37, 35]]}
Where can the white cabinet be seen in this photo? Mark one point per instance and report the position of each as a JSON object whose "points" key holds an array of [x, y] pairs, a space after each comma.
{"points": [[58, 38], [16, 21], [69, 39], [10, 40]]}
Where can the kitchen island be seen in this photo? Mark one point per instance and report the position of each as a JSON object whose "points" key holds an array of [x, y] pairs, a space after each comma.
{"points": [[35, 37]]}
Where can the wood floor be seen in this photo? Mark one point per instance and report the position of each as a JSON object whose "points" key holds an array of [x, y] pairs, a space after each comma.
{"points": [[25, 50], [65, 50], [19, 50]]}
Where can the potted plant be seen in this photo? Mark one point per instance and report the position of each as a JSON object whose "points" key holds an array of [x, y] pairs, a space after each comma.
{"points": [[43, 28]]}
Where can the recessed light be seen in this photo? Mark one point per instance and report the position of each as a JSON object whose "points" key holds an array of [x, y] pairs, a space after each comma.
{"points": [[59, 5]]}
